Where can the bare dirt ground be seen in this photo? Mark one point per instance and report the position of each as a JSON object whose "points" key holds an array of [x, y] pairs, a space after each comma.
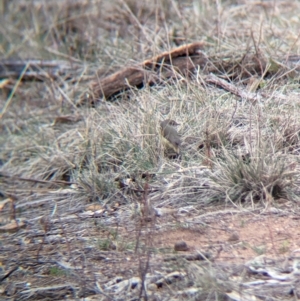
{"points": [[92, 205]]}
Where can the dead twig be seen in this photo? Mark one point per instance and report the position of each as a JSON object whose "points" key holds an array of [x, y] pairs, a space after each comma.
{"points": [[55, 182], [212, 79]]}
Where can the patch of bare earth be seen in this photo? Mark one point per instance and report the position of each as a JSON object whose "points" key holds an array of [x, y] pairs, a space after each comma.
{"points": [[237, 237], [64, 257]]}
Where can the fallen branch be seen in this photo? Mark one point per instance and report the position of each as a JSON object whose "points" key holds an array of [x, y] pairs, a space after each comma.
{"points": [[36, 69], [158, 69], [182, 61]]}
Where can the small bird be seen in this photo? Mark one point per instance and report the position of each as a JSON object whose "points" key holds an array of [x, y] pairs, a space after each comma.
{"points": [[170, 137]]}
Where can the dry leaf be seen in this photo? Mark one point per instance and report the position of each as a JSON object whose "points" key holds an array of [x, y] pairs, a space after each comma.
{"points": [[66, 119], [13, 226], [4, 83], [3, 203], [94, 207]]}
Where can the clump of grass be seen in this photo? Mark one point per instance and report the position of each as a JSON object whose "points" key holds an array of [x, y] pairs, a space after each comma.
{"points": [[210, 280], [251, 178], [120, 149], [259, 250], [105, 244], [285, 247], [57, 272]]}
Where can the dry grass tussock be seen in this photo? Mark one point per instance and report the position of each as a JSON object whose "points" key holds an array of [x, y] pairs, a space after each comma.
{"points": [[56, 158]]}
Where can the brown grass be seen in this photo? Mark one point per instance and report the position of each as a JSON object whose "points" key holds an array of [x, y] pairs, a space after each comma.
{"points": [[56, 159]]}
